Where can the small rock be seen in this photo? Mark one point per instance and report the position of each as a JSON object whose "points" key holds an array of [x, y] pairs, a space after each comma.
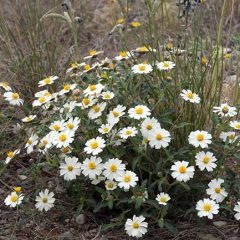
{"points": [[66, 236], [203, 236], [81, 219], [219, 223], [22, 177]]}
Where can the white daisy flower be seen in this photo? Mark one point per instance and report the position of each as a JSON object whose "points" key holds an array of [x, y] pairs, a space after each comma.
{"points": [[105, 128], [31, 142], [47, 81], [69, 106], [139, 112], [13, 98], [72, 124], [96, 110], [144, 49], [200, 139], [206, 160], [67, 88], [93, 89], [57, 126], [142, 68], [11, 155], [148, 125], [181, 172], [70, 169], [215, 191], [29, 118], [207, 207], [110, 185], [75, 66], [235, 125], [229, 137], [41, 101], [45, 200], [166, 65], [88, 102], [136, 227], [113, 169], [159, 138], [225, 110], [128, 132], [188, 95], [97, 180], [123, 55], [14, 199], [94, 146], [92, 167], [237, 209], [163, 198], [5, 86], [114, 115], [127, 180], [46, 142], [63, 139], [107, 95], [92, 53], [44, 93]]}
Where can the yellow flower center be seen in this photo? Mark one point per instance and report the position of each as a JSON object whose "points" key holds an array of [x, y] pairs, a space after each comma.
{"points": [[149, 127], [63, 137], [159, 137], [217, 190], [166, 65], [92, 165], [47, 93], [207, 207], [66, 150], [70, 168], [136, 24], [10, 154], [92, 52], [47, 80], [113, 168], [56, 127], [44, 199], [70, 125], [94, 144], [237, 126], [30, 141], [17, 189], [15, 96], [115, 114], [163, 199], [204, 61], [14, 198], [142, 49], [128, 132], [42, 99], [92, 87], [66, 87], [96, 109], [120, 20], [85, 101], [139, 110], [135, 225], [225, 109], [127, 178], [107, 96], [74, 65], [110, 185], [200, 137], [190, 95], [206, 160], [123, 54], [232, 136], [142, 68], [182, 169], [87, 67]]}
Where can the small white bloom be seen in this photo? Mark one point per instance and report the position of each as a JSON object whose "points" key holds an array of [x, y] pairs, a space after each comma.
{"points": [[105, 128], [127, 180], [206, 160], [32, 141], [110, 185], [181, 171], [70, 169], [142, 68], [159, 138], [229, 137], [215, 191], [88, 102], [11, 155], [200, 139], [139, 112], [225, 110], [13, 98], [128, 132], [123, 56], [188, 95], [92, 167], [136, 227], [29, 118], [107, 95], [113, 169], [72, 124], [237, 209], [47, 81], [235, 125], [114, 115], [148, 125], [93, 89], [45, 200], [57, 126], [63, 139], [92, 53], [5, 86], [94, 146], [67, 88], [163, 198], [14, 199], [207, 207], [96, 110], [166, 65], [41, 101]]}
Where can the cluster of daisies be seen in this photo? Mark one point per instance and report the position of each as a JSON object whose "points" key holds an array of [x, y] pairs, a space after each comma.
{"points": [[115, 126]]}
